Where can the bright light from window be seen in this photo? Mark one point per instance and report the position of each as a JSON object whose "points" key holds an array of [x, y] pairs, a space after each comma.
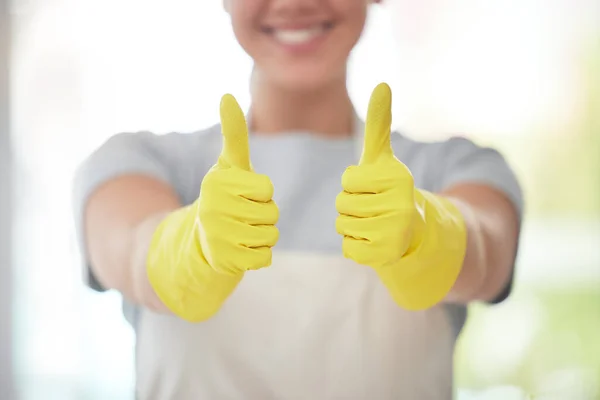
{"points": [[86, 70]]}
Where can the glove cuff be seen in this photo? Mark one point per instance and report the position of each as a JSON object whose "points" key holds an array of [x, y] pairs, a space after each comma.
{"points": [[179, 273], [427, 272]]}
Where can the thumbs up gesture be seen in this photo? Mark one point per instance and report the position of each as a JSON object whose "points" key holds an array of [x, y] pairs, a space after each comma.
{"points": [[236, 212], [377, 205], [200, 253], [414, 240]]}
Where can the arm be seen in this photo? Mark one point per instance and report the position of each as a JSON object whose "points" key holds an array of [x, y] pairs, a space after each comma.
{"points": [[137, 238], [492, 224], [120, 219], [120, 193], [458, 245]]}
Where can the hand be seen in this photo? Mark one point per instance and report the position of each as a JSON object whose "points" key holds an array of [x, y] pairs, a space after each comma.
{"points": [[415, 240], [236, 211], [377, 208], [200, 253]]}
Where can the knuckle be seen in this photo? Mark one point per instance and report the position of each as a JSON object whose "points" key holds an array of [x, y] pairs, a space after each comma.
{"points": [[340, 225], [266, 257], [269, 236], [341, 203], [370, 253], [212, 178], [403, 176], [273, 211], [275, 235], [355, 250], [259, 258], [264, 185], [376, 239], [349, 178]]}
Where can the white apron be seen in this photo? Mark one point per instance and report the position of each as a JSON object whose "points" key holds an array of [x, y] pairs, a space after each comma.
{"points": [[308, 327]]}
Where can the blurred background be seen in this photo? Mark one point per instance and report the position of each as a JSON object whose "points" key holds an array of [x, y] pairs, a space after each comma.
{"points": [[519, 75]]}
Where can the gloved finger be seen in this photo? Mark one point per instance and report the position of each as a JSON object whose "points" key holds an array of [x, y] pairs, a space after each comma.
{"points": [[360, 205], [379, 229], [358, 228], [241, 259], [371, 178], [358, 250], [253, 213], [249, 185], [256, 236], [254, 258], [240, 209]]}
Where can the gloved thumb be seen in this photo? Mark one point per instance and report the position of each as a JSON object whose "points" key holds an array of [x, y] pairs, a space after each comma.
{"points": [[378, 126], [236, 149]]}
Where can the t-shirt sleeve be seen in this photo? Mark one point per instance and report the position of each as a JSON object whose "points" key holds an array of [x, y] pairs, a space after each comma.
{"points": [[466, 162], [123, 154]]}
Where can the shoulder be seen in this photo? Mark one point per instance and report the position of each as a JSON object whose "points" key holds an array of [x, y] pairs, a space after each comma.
{"points": [[172, 143], [453, 152], [180, 159], [169, 150], [453, 146], [455, 160]]}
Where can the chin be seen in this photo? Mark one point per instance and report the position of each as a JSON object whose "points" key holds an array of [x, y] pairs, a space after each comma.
{"points": [[303, 78]]}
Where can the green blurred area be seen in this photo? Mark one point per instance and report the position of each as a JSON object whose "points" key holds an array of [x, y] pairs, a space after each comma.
{"points": [[559, 165], [573, 165], [546, 338], [560, 353]]}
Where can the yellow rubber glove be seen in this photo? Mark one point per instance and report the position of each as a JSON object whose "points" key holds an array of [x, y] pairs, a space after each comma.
{"points": [[199, 253], [414, 240]]}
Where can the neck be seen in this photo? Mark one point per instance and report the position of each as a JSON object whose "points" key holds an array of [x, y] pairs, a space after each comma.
{"points": [[326, 111]]}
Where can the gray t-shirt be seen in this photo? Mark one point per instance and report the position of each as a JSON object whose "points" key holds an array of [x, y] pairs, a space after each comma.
{"points": [[293, 331]]}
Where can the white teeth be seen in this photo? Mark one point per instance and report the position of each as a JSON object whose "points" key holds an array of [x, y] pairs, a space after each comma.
{"points": [[297, 36]]}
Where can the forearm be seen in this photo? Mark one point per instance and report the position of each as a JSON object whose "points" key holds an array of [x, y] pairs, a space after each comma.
{"points": [[474, 267], [120, 220], [123, 265], [492, 230], [140, 287]]}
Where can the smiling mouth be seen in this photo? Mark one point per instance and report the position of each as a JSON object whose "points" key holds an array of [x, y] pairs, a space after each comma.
{"points": [[296, 36]]}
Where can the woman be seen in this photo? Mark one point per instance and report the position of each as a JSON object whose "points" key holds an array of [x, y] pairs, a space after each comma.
{"points": [[276, 282]]}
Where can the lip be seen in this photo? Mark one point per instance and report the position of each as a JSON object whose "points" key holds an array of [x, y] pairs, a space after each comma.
{"points": [[299, 37], [297, 25]]}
